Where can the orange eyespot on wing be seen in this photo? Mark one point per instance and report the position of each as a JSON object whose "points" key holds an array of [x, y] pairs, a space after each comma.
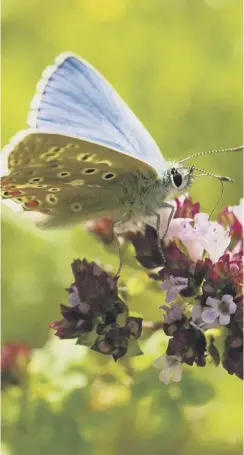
{"points": [[32, 205]]}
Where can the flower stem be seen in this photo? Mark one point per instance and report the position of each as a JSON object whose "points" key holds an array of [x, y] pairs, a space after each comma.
{"points": [[150, 325]]}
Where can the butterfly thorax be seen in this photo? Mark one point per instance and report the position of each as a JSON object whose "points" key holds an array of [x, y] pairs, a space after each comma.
{"points": [[142, 196]]}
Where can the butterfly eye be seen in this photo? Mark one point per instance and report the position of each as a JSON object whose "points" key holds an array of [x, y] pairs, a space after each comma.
{"points": [[177, 177], [109, 176]]}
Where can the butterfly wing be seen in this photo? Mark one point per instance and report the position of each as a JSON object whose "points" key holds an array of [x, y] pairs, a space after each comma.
{"points": [[68, 178], [73, 98], [83, 142]]}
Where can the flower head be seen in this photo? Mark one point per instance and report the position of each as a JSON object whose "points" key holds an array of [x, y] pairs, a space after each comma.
{"points": [[220, 310], [146, 247], [173, 286], [233, 218], [173, 312], [197, 321], [202, 235], [96, 316], [170, 366], [185, 208], [233, 355], [201, 272], [95, 287], [115, 340], [189, 344]]}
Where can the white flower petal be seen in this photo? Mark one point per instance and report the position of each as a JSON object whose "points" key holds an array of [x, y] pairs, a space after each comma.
{"points": [[227, 298], [215, 241], [232, 307], [173, 286], [177, 373], [224, 319], [179, 227], [160, 362], [214, 303], [196, 312], [165, 376], [194, 248], [210, 315], [202, 221]]}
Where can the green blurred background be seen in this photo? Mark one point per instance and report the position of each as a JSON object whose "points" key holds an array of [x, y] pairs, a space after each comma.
{"points": [[178, 64]]}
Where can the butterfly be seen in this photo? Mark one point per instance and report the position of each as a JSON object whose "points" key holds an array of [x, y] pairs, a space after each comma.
{"points": [[86, 155]]}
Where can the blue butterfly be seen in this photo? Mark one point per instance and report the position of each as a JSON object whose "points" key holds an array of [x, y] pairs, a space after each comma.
{"points": [[86, 155]]}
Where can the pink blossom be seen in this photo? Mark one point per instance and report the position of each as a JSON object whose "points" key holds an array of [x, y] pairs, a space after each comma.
{"points": [[185, 207], [203, 235], [238, 211]]}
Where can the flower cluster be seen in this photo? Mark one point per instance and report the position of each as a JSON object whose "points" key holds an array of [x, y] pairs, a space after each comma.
{"points": [[96, 315], [202, 279], [202, 283]]}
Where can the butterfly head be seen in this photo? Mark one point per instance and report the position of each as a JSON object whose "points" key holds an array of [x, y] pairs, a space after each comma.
{"points": [[179, 178]]}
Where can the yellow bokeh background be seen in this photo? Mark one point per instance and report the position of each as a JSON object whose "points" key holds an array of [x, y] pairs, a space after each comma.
{"points": [[178, 64]]}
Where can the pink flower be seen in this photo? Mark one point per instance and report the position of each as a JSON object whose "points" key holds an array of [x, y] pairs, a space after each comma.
{"points": [[185, 208], [182, 229], [203, 235], [173, 286], [11, 352], [220, 310], [215, 241], [233, 217], [238, 211]]}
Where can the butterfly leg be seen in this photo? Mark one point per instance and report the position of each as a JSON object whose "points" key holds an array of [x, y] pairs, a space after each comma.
{"points": [[160, 240], [116, 238], [125, 217]]}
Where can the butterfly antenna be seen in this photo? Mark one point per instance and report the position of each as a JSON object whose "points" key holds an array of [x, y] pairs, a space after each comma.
{"points": [[218, 199], [221, 179], [209, 152]]}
